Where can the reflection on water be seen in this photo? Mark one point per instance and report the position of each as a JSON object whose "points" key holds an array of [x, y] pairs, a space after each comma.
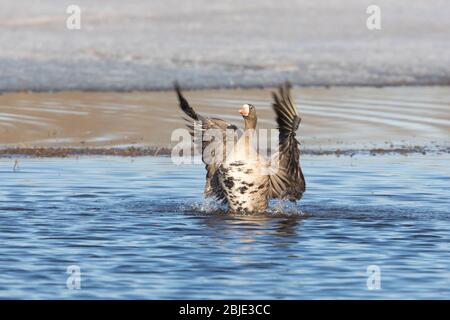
{"points": [[138, 228], [253, 225]]}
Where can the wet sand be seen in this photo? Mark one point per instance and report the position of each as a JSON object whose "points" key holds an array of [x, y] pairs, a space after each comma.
{"points": [[341, 120]]}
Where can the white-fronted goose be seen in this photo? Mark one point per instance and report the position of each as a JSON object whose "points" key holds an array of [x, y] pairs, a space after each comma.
{"points": [[240, 176]]}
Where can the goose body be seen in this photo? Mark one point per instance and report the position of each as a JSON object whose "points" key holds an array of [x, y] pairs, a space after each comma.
{"points": [[242, 186], [244, 180], [240, 176]]}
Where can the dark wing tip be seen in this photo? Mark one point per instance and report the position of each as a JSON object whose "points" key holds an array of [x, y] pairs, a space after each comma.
{"points": [[286, 84], [177, 88], [184, 104], [283, 93], [232, 126]]}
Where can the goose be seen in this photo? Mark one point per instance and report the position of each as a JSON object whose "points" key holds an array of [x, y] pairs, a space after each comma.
{"points": [[240, 176]]}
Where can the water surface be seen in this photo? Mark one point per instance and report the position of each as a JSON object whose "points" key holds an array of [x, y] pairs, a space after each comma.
{"points": [[139, 228]]}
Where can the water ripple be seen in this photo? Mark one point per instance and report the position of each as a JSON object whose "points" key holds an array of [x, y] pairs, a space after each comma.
{"points": [[142, 230]]}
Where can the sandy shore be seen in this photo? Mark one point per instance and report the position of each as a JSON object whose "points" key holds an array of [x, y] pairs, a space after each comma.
{"points": [[334, 120], [143, 45]]}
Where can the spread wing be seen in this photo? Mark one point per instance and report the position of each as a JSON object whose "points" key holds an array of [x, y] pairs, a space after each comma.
{"points": [[213, 135], [288, 182]]}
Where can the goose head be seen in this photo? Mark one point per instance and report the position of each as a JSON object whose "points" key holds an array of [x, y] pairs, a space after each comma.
{"points": [[248, 112]]}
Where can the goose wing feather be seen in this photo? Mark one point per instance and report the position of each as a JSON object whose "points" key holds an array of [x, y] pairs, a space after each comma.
{"points": [[288, 181], [210, 144]]}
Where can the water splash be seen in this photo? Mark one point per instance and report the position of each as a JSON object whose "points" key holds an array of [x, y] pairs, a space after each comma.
{"points": [[284, 207], [213, 207], [207, 206]]}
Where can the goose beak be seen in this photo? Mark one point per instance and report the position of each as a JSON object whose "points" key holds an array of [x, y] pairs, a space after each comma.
{"points": [[244, 110]]}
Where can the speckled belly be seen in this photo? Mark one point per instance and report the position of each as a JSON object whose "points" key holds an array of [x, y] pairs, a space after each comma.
{"points": [[244, 187]]}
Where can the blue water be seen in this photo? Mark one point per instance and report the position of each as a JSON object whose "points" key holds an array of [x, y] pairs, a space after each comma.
{"points": [[138, 228]]}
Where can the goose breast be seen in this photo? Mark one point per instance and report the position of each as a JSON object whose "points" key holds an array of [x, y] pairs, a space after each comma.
{"points": [[244, 185]]}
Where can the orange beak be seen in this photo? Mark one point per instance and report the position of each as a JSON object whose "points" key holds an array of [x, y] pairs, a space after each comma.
{"points": [[244, 110]]}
